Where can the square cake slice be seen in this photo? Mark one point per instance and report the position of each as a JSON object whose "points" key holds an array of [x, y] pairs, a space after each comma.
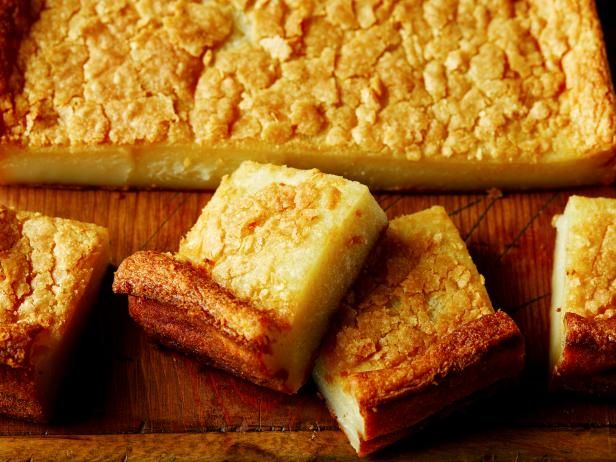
{"points": [[583, 312], [410, 94], [50, 272], [417, 333], [257, 278]]}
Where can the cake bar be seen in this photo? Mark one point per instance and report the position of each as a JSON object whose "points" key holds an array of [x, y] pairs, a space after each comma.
{"points": [[257, 278], [417, 334], [583, 311], [50, 272]]}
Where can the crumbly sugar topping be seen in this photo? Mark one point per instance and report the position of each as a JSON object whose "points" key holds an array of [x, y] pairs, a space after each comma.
{"points": [[264, 230], [42, 268], [591, 257], [465, 79], [420, 286]]}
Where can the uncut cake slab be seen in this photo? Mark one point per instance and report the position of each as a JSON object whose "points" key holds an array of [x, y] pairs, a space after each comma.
{"points": [[398, 95]]}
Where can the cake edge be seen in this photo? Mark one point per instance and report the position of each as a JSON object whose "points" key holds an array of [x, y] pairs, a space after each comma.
{"points": [[492, 344], [29, 392], [173, 327], [198, 168]]}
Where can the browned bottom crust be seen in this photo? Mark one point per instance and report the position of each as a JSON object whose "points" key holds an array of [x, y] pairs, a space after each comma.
{"points": [[590, 345], [588, 363], [484, 395], [600, 385], [404, 416], [469, 367], [180, 329]]}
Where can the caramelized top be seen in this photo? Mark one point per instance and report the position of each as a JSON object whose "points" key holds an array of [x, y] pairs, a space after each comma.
{"points": [[591, 257], [508, 80], [266, 229], [44, 267], [420, 287]]}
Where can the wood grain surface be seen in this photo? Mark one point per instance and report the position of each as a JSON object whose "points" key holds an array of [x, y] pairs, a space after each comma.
{"points": [[126, 398], [550, 444]]}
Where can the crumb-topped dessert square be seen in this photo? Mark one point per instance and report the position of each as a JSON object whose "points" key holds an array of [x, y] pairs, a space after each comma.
{"points": [[50, 272], [417, 333], [256, 279], [583, 312]]}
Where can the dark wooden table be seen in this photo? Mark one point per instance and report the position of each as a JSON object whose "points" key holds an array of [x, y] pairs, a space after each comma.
{"points": [[127, 398]]}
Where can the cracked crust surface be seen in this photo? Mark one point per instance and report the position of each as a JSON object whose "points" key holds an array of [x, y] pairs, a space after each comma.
{"points": [[50, 269], [421, 286], [591, 257], [463, 348], [509, 81], [44, 267], [416, 334], [405, 318], [260, 273], [265, 229]]}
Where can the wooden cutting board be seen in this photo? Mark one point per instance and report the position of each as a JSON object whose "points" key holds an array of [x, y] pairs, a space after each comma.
{"points": [[126, 396]]}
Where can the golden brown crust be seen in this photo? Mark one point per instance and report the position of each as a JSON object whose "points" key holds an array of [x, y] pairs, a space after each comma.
{"points": [[418, 334], [265, 227], [163, 278], [588, 76], [43, 264], [182, 330], [456, 352], [525, 81], [266, 264], [591, 257], [590, 346], [408, 415]]}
